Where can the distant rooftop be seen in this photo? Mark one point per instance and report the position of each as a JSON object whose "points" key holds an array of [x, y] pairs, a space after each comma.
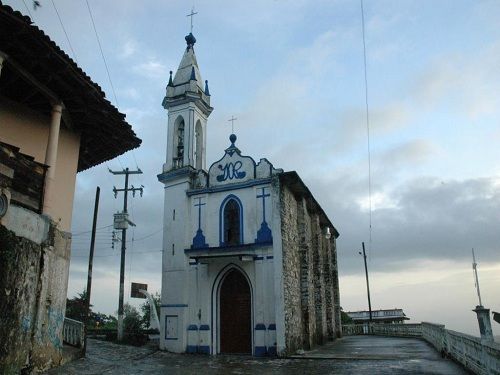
{"points": [[387, 315]]}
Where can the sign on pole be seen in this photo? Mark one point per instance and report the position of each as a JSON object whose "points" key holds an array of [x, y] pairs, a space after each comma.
{"points": [[134, 291]]}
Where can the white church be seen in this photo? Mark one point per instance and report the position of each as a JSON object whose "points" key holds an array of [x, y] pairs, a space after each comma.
{"points": [[249, 255]]}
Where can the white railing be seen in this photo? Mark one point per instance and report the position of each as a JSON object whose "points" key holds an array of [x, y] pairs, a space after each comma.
{"points": [[475, 354], [73, 333], [479, 356], [352, 329], [400, 330]]}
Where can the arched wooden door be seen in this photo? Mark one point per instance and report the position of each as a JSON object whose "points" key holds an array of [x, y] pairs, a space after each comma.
{"points": [[235, 305]]}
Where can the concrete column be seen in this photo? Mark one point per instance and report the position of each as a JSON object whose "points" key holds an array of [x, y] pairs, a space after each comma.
{"points": [[51, 156], [483, 318]]}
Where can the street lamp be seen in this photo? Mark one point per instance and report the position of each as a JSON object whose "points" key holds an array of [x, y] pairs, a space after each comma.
{"points": [[367, 282]]}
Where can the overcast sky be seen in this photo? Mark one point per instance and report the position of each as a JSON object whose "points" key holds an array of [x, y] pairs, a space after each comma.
{"points": [[292, 73]]}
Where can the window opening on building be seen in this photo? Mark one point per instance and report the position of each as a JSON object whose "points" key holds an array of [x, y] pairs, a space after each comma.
{"points": [[232, 225]]}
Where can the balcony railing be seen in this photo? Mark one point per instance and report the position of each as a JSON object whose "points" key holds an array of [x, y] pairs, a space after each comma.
{"points": [[73, 333]]}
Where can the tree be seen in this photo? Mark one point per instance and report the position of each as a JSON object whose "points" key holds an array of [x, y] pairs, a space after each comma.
{"points": [[344, 318], [75, 307], [132, 319]]}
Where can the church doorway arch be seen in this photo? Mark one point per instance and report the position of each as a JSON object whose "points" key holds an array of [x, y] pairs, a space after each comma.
{"points": [[235, 313]]}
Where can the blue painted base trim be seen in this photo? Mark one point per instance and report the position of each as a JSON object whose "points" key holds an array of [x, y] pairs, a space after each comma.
{"points": [[271, 351], [264, 234], [204, 349], [199, 240], [191, 349], [260, 351]]}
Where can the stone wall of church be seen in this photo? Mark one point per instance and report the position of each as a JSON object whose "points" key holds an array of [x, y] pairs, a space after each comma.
{"points": [[309, 275], [292, 273]]}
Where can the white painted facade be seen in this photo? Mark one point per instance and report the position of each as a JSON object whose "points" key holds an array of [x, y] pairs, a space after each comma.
{"points": [[227, 218]]}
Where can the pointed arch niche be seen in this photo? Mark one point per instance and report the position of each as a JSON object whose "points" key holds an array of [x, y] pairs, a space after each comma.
{"points": [[232, 311], [198, 146], [231, 221], [179, 137]]}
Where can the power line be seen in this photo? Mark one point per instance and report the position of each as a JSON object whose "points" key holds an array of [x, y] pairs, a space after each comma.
{"points": [[65, 33], [102, 53], [88, 231], [367, 131], [28, 9], [117, 253]]}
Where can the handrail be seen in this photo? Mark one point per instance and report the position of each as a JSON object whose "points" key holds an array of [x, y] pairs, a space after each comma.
{"points": [[73, 333]]}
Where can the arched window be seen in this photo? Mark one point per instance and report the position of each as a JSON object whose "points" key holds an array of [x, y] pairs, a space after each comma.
{"points": [[198, 151], [178, 154], [231, 221]]}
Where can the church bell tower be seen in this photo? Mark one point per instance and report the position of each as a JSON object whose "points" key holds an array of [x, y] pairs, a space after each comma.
{"points": [[188, 103]]}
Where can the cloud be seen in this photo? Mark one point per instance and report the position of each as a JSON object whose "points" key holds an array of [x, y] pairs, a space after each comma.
{"points": [[462, 83], [152, 69], [129, 48]]}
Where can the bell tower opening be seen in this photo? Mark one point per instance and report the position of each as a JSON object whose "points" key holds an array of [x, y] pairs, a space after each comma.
{"points": [[198, 150], [178, 159]]}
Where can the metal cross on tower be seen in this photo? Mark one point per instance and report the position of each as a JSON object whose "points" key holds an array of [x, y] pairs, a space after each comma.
{"points": [[192, 15], [232, 119]]}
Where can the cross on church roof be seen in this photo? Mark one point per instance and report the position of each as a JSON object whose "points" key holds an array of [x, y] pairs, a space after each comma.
{"points": [[232, 119], [192, 15]]}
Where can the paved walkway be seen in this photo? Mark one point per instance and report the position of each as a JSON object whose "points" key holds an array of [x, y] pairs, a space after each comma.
{"points": [[350, 355]]}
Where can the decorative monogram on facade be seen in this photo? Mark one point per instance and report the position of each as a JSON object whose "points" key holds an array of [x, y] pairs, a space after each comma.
{"points": [[231, 171]]}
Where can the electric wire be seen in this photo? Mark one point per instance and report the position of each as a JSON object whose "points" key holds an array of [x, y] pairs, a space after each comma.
{"points": [[64, 29], [117, 254], [367, 132], [28, 9], [88, 231], [102, 53]]}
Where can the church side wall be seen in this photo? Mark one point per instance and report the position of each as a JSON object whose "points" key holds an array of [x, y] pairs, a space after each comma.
{"points": [[291, 273], [310, 281]]}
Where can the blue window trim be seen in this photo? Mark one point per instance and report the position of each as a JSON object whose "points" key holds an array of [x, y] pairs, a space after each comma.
{"points": [[221, 218]]}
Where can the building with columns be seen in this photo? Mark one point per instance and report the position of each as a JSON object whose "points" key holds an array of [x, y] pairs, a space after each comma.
{"points": [[54, 122], [249, 255]]}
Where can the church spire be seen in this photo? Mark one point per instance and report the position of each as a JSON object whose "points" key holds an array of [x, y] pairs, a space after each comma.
{"points": [[187, 100], [187, 83]]}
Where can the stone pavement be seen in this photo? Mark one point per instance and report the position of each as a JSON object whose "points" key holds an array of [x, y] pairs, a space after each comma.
{"points": [[350, 355]]}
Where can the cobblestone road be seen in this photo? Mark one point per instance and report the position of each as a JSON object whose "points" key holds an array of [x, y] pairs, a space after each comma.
{"points": [[350, 355]]}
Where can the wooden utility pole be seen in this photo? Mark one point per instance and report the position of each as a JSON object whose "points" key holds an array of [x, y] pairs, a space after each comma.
{"points": [[123, 225], [91, 259], [367, 283]]}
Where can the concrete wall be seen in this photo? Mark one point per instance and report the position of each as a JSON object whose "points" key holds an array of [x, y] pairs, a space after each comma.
{"points": [[309, 283], [28, 130], [34, 259]]}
